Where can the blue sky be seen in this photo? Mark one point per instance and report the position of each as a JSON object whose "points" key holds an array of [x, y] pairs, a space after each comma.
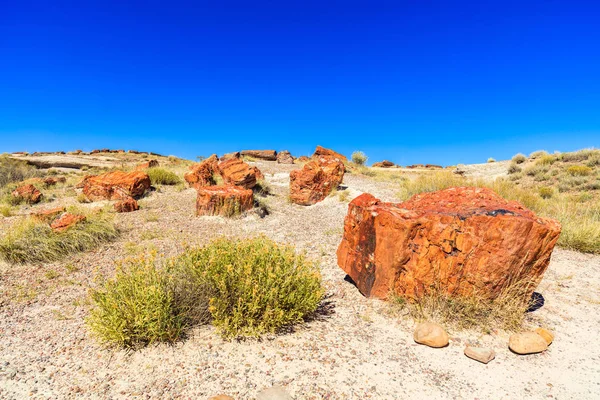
{"points": [[413, 82]]}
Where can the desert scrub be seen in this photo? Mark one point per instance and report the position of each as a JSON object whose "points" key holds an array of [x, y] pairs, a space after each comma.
{"points": [[161, 176], [546, 160], [538, 154], [429, 182], [579, 170], [12, 170], [491, 160], [137, 307], [359, 158], [473, 311], [256, 286], [546, 192], [5, 211], [519, 158], [31, 241], [514, 169]]}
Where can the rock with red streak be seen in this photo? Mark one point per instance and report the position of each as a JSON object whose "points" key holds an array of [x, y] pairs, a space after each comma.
{"points": [[148, 164], [285, 157], [65, 221], [201, 174], [383, 164], [315, 180], [27, 193], [48, 215], [126, 205], [236, 172], [464, 240], [227, 156], [115, 185], [323, 152], [268, 155], [225, 200]]}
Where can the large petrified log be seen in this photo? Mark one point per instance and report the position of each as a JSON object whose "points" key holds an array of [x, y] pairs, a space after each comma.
{"points": [[461, 240]]}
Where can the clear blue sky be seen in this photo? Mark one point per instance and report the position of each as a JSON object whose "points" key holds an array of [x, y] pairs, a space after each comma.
{"points": [[439, 82]]}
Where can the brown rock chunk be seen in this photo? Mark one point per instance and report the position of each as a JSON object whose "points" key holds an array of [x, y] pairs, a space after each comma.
{"points": [[546, 334], [383, 164], [236, 172], [462, 239], [27, 193], [65, 221], [226, 200], [268, 155], [315, 180], [430, 334], [147, 164], [323, 152], [480, 354], [304, 159], [201, 174], [527, 343], [126, 205], [285, 157], [227, 156], [48, 215], [115, 185]]}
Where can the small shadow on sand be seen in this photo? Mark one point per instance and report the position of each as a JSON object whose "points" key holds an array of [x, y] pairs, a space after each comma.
{"points": [[537, 301], [347, 278]]}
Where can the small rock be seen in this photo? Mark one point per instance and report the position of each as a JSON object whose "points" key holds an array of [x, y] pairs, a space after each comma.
{"points": [[65, 221], [430, 334], [527, 343], [546, 334], [274, 393], [480, 354], [221, 397]]}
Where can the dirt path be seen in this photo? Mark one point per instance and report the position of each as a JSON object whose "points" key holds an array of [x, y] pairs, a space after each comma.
{"points": [[354, 350]]}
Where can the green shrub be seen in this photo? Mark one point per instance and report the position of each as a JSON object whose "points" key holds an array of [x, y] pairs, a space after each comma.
{"points": [[255, 286], [161, 176], [546, 160], [519, 158], [579, 170], [5, 210], [34, 241], [514, 168], [546, 192], [491, 160], [359, 158], [137, 307], [580, 156]]}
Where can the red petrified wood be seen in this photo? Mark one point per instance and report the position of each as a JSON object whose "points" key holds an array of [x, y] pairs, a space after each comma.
{"points": [[315, 180], [236, 172], [27, 193], [226, 200], [323, 152], [201, 174], [66, 221], [116, 185], [126, 205], [463, 240]]}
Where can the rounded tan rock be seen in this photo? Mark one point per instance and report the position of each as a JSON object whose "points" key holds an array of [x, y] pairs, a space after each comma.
{"points": [[527, 343], [430, 334]]}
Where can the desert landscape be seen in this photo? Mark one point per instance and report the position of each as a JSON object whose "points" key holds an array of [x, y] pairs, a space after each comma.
{"points": [[261, 274]]}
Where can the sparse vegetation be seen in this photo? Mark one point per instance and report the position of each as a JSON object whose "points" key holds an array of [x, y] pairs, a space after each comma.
{"points": [[514, 168], [5, 211], [579, 170], [546, 192], [491, 160], [519, 158], [538, 154], [162, 176], [32, 241], [12, 170], [359, 158]]}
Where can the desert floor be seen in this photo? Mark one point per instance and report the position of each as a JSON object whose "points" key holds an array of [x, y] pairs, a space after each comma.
{"points": [[355, 349]]}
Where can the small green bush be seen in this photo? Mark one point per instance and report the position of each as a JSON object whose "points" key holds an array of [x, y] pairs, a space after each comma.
{"points": [[161, 176], [546, 160], [519, 158], [5, 210], [546, 192], [137, 307], [255, 286], [579, 170], [359, 158], [34, 241]]}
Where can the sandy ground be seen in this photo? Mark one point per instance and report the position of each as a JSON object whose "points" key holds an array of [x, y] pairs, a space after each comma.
{"points": [[355, 349]]}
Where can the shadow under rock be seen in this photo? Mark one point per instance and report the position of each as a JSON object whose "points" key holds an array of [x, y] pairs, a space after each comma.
{"points": [[537, 301]]}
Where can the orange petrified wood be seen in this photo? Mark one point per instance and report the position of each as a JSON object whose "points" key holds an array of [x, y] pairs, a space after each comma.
{"points": [[460, 239]]}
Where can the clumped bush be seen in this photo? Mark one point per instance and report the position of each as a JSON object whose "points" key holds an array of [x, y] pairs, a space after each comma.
{"points": [[538, 154], [137, 307], [161, 176], [519, 158], [546, 192], [5, 210], [546, 160], [514, 168], [580, 156], [579, 170], [491, 160], [255, 286], [359, 158], [34, 241], [429, 182]]}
